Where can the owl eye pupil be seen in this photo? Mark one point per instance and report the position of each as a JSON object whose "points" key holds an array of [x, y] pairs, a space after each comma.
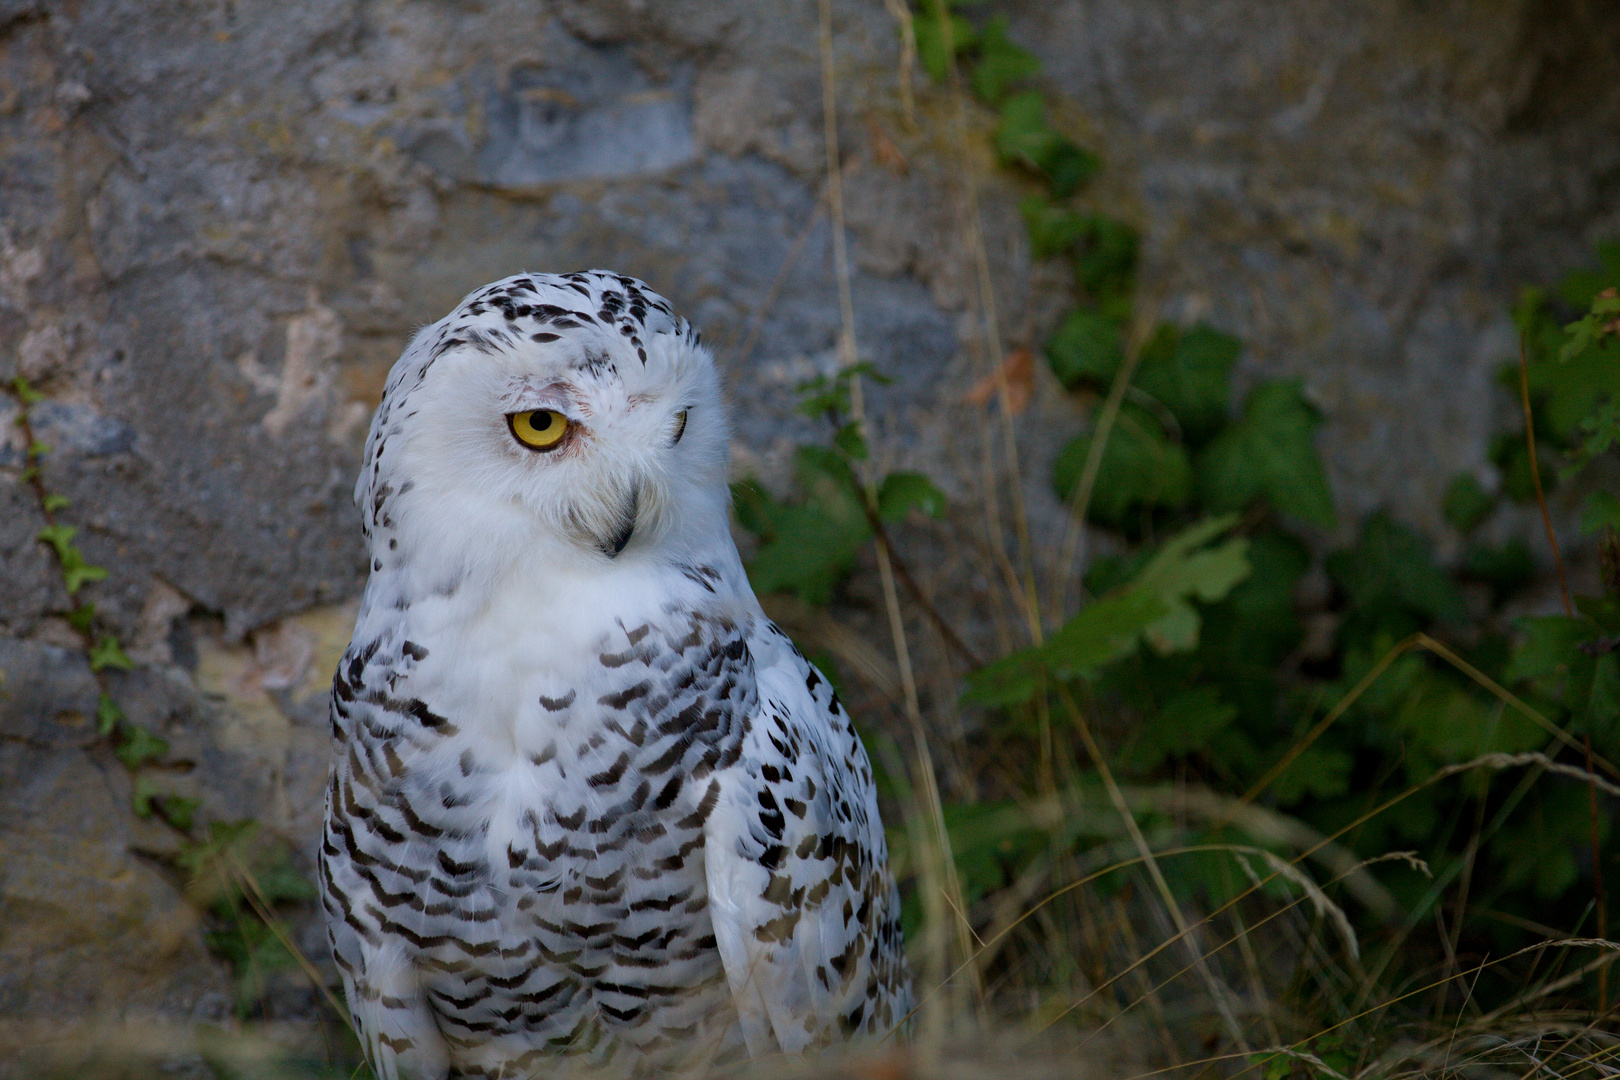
{"points": [[538, 429]]}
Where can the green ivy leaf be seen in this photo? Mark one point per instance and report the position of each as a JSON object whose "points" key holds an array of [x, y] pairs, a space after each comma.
{"points": [[1052, 228], [107, 715], [25, 392], [1256, 625], [811, 546], [1012, 680], [1506, 568], [178, 810], [1022, 135], [1070, 167], [1189, 373], [1602, 430], [1105, 264], [108, 653], [141, 798], [1001, 63], [1604, 611], [1269, 454], [1185, 725], [82, 617], [1112, 627], [1568, 393], [932, 50], [848, 439], [1550, 645], [1024, 138], [1508, 453], [1140, 467], [1104, 631], [1467, 503], [1452, 724], [1581, 286], [1184, 570], [757, 510], [1602, 511], [1085, 348], [828, 395], [1538, 849], [54, 502], [1552, 659], [1392, 568], [1320, 771], [139, 746], [60, 538], [901, 491], [78, 573], [1592, 328]]}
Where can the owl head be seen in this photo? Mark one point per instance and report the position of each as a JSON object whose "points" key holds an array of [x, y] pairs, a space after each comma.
{"points": [[569, 417]]}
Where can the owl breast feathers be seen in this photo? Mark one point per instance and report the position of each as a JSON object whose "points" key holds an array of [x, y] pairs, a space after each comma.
{"points": [[587, 801]]}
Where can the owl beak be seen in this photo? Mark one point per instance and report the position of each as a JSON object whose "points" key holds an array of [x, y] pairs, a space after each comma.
{"points": [[627, 525]]}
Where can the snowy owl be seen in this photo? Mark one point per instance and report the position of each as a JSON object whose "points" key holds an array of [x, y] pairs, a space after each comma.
{"points": [[586, 799]]}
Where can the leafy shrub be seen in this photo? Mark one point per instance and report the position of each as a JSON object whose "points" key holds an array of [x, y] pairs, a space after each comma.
{"points": [[1382, 728]]}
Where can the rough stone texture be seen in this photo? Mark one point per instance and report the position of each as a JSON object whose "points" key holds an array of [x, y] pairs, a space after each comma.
{"points": [[1358, 191], [87, 926], [220, 223]]}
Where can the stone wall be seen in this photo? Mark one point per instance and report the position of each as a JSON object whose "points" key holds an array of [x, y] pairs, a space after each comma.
{"points": [[219, 224]]}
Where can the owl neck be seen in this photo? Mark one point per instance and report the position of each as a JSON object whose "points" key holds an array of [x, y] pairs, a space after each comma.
{"points": [[464, 579]]}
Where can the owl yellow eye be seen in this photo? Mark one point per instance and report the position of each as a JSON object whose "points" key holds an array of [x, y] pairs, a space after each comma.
{"points": [[541, 429], [680, 427]]}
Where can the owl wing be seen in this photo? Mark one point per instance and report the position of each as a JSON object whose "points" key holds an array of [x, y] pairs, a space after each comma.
{"points": [[806, 915]]}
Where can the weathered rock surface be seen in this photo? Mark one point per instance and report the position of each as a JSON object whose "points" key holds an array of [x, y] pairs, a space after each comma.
{"points": [[88, 926], [220, 223]]}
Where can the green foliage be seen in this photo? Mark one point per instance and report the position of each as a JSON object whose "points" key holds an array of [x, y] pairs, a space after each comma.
{"points": [[1506, 568], [1268, 455], [137, 746], [1024, 138], [25, 392], [1390, 577], [1574, 366], [1052, 229], [1602, 511], [1155, 608], [904, 491], [1571, 661], [1189, 372], [150, 799], [230, 855], [107, 715], [76, 573], [1141, 467], [1187, 724], [1592, 331], [1467, 504], [932, 48], [1105, 265], [1085, 349], [235, 872], [108, 653], [829, 395], [1002, 64], [1192, 659], [810, 544]]}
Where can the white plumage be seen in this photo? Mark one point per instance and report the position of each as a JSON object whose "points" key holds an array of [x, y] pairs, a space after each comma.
{"points": [[586, 799]]}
